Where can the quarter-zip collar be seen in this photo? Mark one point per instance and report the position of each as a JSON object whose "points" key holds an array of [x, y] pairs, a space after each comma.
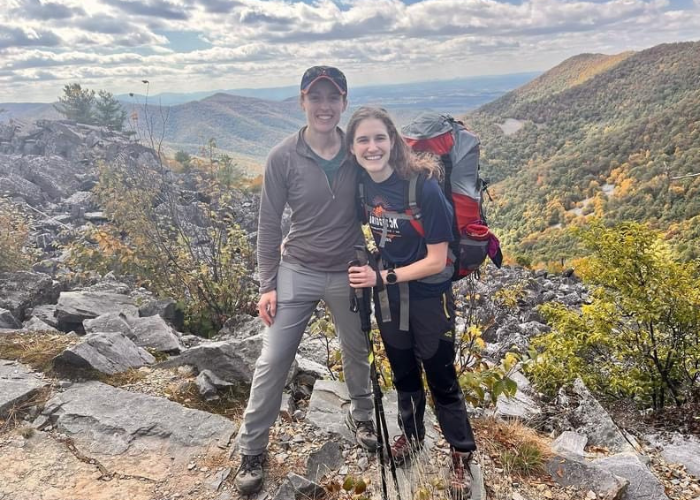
{"points": [[305, 150]]}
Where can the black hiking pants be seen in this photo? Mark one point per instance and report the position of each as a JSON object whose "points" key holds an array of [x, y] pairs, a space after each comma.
{"points": [[428, 345]]}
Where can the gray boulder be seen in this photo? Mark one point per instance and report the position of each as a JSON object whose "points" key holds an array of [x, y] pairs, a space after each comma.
{"points": [[324, 460], [45, 313], [569, 471], [520, 406], [155, 333], [34, 324], [84, 199], [75, 307], [209, 384], [110, 322], [106, 352], [230, 360], [241, 327], [15, 186], [17, 384], [533, 328], [166, 309], [643, 484], [305, 488], [680, 449]]}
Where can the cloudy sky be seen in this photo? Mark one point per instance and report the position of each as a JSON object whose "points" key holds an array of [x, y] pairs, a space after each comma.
{"points": [[192, 45]]}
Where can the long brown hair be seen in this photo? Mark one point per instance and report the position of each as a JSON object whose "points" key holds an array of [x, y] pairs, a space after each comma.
{"points": [[404, 161]]}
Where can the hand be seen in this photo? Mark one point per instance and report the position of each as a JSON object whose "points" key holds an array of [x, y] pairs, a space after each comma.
{"points": [[362, 276], [267, 307]]}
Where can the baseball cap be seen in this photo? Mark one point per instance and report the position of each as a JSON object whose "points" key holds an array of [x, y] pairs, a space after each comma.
{"points": [[316, 73]]}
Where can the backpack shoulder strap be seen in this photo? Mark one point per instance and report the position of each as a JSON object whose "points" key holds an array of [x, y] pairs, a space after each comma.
{"points": [[362, 211], [413, 192]]}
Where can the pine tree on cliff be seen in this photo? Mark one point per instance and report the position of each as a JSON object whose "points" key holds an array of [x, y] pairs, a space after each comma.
{"points": [[108, 111], [77, 103]]}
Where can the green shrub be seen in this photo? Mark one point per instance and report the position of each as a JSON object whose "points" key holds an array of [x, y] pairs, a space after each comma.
{"points": [[638, 337]]}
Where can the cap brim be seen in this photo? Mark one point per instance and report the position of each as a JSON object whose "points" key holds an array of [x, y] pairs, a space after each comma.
{"points": [[323, 77]]}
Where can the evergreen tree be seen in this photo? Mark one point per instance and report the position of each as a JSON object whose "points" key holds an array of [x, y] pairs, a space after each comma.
{"points": [[76, 103], [108, 111]]}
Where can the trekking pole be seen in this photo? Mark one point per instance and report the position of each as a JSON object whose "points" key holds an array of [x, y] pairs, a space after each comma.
{"points": [[360, 302]]}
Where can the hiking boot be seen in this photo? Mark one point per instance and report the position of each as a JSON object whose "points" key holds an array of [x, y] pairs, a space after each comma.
{"points": [[404, 449], [250, 475], [365, 435], [461, 475]]}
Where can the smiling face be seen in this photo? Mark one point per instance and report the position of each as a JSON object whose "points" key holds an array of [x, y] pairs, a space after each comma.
{"points": [[371, 146], [323, 104]]}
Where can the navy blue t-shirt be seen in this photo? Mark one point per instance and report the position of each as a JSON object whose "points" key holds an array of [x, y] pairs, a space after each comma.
{"points": [[404, 245]]}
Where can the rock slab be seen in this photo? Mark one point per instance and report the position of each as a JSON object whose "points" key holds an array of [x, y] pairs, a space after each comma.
{"points": [[17, 384], [107, 423]]}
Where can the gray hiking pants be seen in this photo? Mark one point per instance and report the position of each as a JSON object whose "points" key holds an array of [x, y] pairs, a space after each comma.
{"points": [[299, 290]]}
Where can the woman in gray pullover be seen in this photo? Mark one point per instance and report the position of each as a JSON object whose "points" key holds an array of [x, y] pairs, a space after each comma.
{"points": [[311, 173]]}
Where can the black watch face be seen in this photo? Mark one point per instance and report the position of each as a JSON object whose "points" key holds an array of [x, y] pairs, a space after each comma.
{"points": [[391, 277]]}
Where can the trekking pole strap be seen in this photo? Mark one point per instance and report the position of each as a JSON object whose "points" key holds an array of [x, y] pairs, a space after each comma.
{"points": [[380, 287]]}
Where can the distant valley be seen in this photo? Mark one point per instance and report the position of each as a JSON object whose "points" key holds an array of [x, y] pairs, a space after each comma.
{"points": [[246, 123]]}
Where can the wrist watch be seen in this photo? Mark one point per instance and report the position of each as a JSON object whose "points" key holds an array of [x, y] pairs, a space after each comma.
{"points": [[391, 277]]}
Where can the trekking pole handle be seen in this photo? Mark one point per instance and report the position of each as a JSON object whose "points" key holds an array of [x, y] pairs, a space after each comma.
{"points": [[358, 298]]}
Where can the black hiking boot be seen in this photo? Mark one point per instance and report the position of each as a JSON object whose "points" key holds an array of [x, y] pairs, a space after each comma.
{"points": [[250, 475]]}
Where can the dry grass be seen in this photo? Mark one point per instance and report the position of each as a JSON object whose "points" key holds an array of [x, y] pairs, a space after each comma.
{"points": [[36, 349], [131, 376], [518, 449], [231, 402], [14, 417]]}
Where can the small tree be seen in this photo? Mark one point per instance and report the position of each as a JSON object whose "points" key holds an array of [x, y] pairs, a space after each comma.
{"points": [[109, 112], [77, 103], [184, 159], [639, 337]]}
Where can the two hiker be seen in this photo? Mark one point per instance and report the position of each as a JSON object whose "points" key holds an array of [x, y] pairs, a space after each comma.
{"points": [[313, 172]]}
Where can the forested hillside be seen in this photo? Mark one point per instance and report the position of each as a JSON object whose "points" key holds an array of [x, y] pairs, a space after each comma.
{"points": [[611, 136]]}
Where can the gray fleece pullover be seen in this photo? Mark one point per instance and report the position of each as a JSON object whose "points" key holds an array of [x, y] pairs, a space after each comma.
{"points": [[324, 226]]}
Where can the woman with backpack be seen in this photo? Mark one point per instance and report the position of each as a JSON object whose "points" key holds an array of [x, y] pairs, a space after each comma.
{"points": [[417, 326]]}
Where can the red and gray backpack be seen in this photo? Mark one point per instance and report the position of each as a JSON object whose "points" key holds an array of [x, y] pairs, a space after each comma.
{"points": [[458, 150]]}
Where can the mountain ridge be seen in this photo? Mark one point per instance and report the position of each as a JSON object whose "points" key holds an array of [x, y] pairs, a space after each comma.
{"points": [[628, 128]]}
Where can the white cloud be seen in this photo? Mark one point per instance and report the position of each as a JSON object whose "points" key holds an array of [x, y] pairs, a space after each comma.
{"points": [[45, 44]]}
